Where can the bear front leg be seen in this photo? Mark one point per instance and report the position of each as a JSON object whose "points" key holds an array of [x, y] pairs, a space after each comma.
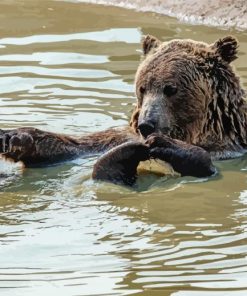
{"points": [[35, 147], [186, 159], [119, 165]]}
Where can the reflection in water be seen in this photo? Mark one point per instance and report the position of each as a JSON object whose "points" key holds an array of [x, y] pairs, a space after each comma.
{"points": [[60, 232]]}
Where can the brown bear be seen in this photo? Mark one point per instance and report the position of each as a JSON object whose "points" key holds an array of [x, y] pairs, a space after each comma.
{"points": [[188, 94], [189, 91]]}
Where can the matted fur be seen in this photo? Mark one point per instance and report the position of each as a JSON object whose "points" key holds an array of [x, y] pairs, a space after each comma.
{"points": [[209, 108]]}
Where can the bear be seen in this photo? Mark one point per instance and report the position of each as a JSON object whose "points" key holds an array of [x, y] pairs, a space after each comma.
{"points": [[187, 93], [188, 90]]}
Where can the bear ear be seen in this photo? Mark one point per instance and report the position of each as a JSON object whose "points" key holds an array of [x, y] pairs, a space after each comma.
{"points": [[149, 42], [226, 48]]}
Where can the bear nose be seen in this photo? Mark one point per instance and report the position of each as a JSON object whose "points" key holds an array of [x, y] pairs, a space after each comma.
{"points": [[146, 128]]}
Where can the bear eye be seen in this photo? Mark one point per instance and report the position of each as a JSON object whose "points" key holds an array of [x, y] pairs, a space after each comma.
{"points": [[169, 89], [142, 90]]}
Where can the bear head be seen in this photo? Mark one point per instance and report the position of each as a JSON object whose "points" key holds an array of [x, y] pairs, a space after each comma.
{"points": [[189, 91]]}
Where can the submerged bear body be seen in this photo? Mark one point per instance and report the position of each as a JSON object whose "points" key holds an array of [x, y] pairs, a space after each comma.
{"points": [[186, 90]]}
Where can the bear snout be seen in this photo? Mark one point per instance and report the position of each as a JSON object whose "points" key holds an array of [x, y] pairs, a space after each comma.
{"points": [[146, 128]]}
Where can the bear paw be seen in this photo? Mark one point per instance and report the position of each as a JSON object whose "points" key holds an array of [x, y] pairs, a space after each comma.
{"points": [[14, 144], [119, 165]]}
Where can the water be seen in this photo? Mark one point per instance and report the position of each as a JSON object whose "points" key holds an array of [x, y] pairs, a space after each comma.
{"points": [[69, 67]]}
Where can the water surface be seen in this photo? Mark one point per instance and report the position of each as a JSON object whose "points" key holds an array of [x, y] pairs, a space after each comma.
{"points": [[69, 67]]}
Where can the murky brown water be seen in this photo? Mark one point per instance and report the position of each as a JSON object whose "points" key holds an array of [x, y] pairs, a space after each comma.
{"points": [[69, 67]]}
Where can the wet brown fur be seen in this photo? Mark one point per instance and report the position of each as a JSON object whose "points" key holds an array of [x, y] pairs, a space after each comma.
{"points": [[33, 146], [209, 109]]}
